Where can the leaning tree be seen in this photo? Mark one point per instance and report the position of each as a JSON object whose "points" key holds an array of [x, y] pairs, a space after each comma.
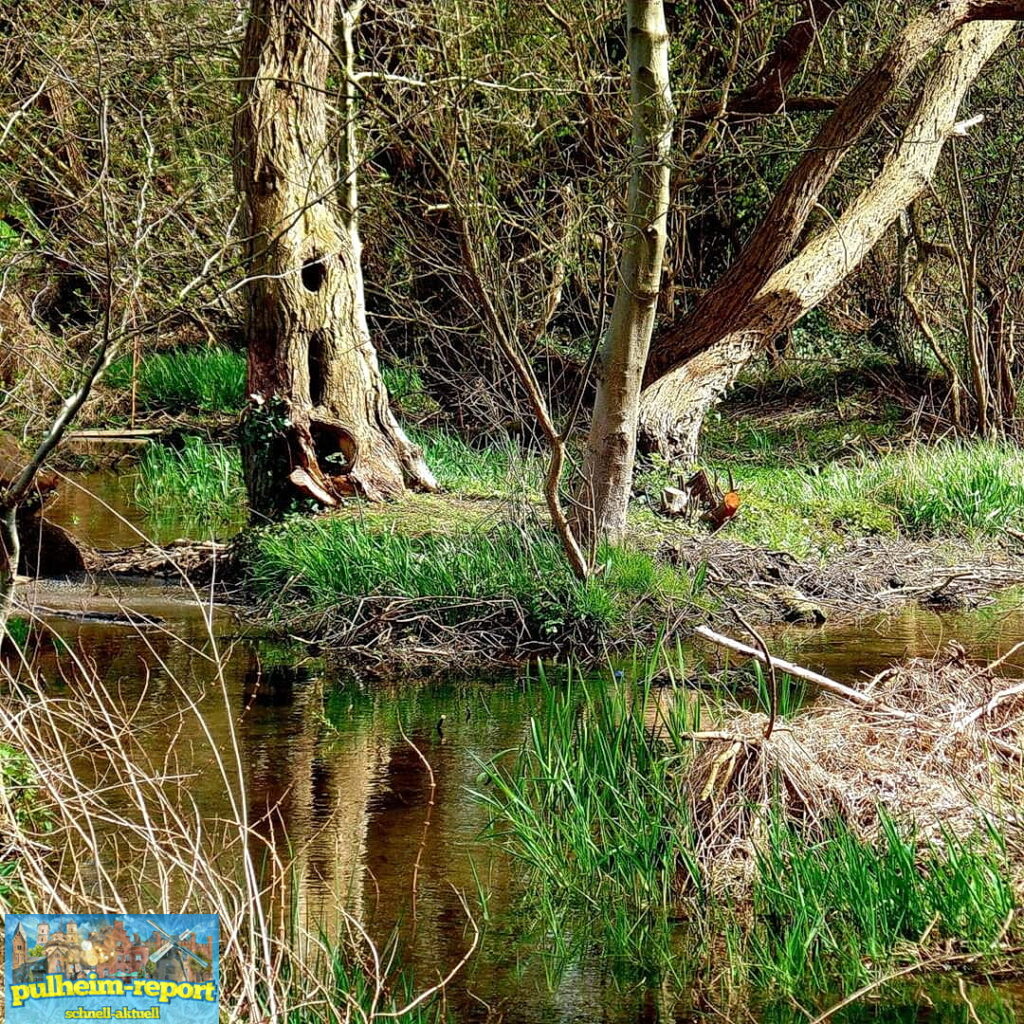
{"points": [[319, 425], [772, 283]]}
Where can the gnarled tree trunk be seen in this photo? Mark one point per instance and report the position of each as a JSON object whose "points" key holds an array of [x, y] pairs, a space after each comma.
{"points": [[319, 425], [611, 451], [694, 362]]}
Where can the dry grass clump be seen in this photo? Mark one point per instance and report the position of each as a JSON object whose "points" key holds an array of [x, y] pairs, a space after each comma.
{"points": [[937, 751], [948, 768], [736, 778]]}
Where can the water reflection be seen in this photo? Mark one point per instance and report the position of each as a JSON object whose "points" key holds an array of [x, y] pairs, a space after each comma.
{"points": [[100, 510], [335, 777]]}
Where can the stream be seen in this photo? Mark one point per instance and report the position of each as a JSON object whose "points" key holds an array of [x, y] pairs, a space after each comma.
{"points": [[323, 754]]}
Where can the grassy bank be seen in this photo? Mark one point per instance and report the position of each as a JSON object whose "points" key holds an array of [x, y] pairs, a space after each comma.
{"points": [[455, 559], [507, 583], [956, 490], [813, 468], [199, 380]]}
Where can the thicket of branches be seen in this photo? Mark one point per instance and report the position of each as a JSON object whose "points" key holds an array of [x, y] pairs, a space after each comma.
{"points": [[493, 159]]}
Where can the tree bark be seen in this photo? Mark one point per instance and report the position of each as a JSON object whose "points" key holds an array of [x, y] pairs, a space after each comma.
{"points": [[319, 424], [611, 452], [673, 408]]}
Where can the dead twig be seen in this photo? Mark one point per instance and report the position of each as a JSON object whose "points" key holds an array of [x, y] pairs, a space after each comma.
{"points": [[773, 681]]}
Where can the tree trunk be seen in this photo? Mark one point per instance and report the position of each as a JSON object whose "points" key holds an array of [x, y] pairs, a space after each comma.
{"points": [[319, 425], [611, 452], [675, 402]]}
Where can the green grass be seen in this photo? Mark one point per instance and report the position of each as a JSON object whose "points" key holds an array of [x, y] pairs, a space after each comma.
{"points": [[952, 489], [199, 484], [839, 908], [213, 380], [407, 392], [17, 629], [594, 809], [591, 808], [796, 436], [207, 380], [517, 573], [495, 470], [21, 790], [25, 800], [343, 971]]}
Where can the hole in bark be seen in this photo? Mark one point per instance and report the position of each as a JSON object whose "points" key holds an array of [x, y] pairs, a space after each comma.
{"points": [[317, 359], [314, 273], [335, 449], [266, 180]]}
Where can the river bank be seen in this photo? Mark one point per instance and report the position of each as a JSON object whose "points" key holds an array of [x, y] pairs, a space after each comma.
{"points": [[479, 577]]}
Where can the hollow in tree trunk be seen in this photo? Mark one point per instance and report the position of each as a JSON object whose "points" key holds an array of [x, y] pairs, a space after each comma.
{"points": [[319, 425]]}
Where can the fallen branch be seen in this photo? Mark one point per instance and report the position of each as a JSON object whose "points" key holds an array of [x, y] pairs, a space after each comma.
{"points": [[799, 672], [990, 668], [990, 706]]}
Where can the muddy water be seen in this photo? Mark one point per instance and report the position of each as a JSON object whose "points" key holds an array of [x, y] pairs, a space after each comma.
{"points": [[99, 509], [326, 765], [323, 750]]}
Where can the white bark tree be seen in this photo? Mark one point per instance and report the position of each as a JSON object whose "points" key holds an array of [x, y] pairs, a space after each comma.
{"points": [[611, 450]]}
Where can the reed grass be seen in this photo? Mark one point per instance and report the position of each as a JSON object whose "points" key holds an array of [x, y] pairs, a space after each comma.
{"points": [[199, 484], [207, 380], [592, 809], [597, 808], [835, 910]]}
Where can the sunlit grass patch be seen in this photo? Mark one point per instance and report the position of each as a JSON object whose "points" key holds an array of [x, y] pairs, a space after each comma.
{"points": [[953, 489], [184, 380], [459, 571], [963, 490], [497, 469], [198, 484]]}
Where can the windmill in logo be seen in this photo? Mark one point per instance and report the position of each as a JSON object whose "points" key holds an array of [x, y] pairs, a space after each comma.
{"points": [[170, 958]]}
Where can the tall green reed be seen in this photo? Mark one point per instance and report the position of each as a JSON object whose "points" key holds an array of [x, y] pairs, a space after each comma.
{"points": [[199, 484]]}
